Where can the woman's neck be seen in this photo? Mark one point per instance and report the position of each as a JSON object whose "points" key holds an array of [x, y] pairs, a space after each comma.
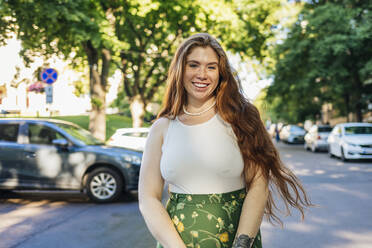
{"points": [[197, 106]]}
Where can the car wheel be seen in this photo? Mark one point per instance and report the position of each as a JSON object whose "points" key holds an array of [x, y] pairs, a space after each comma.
{"points": [[343, 155], [313, 148], [104, 185]]}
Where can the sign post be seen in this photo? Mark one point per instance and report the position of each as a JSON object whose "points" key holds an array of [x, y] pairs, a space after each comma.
{"points": [[49, 94], [49, 76]]}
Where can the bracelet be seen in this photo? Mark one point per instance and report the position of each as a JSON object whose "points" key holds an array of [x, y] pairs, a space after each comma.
{"points": [[243, 241]]}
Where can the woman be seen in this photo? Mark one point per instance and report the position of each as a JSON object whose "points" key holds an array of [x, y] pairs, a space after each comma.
{"points": [[211, 146]]}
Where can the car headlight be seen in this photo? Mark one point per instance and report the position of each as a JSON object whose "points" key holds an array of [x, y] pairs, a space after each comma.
{"points": [[133, 159]]}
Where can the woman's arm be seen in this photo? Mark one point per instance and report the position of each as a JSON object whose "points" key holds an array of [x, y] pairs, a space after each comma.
{"points": [[150, 190], [252, 213]]}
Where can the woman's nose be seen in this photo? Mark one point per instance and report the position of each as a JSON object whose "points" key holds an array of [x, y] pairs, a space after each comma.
{"points": [[202, 73]]}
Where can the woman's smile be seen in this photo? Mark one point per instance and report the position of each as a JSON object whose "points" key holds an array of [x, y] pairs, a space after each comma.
{"points": [[200, 85], [201, 74]]}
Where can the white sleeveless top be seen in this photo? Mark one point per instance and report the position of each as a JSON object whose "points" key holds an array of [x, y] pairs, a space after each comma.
{"points": [[201, 159]]}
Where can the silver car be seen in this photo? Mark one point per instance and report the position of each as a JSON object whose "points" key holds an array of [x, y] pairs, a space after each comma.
{"points": [[292, 134], [316, 138]]}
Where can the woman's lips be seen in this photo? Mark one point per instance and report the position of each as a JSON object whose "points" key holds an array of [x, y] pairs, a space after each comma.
{"points": [[200, 85]]}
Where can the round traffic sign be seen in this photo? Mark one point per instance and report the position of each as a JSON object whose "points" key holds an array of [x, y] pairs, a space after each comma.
{"points": [[49, 75]]}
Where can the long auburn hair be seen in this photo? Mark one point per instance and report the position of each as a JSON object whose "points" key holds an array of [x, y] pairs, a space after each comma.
{"points": [[258, 151]]}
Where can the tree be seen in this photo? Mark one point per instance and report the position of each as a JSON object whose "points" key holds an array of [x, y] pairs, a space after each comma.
{"points": [[76, 30], [151, 32], [138, 37], [326, 58]]}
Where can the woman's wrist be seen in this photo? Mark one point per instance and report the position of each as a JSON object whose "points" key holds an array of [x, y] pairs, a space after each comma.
{"points": [[242, 241]]}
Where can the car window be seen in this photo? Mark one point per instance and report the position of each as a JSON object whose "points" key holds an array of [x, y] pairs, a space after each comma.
{"points": [[80, 134], [136, 134], [358, 130], [9, 132], [40, 134], [324, 129], [296, 128]]}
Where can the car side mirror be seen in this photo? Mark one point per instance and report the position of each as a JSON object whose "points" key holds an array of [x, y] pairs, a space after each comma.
{"points": [[60, 142]]}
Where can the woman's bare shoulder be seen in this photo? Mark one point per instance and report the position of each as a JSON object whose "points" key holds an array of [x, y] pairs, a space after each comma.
{"points": [[160, 126]]}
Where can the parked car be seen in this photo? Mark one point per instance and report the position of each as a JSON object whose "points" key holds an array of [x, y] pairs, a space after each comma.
{"points": [[132, 138], [351, 141], [316, 138], [292, 134], [50, 154]]}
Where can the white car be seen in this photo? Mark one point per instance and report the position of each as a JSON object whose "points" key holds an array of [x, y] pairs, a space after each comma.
{"points": [[132, 138], [316, 138], [292, 134], [351, 141]]}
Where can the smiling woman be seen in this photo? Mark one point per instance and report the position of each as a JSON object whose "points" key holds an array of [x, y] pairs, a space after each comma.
{"points": [[201, 77], [211, 146]]}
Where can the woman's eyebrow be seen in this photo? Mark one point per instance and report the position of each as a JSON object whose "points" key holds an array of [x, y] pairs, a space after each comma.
{"points": [[197, 62]]}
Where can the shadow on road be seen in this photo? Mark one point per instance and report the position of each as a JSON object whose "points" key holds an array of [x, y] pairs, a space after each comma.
{"points": [[24, 197]]}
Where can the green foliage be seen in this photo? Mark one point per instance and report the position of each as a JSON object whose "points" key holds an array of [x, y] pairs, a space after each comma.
{"points": [[153, 29], [141, 36], [7, 22], [326, 58], [97, 102], [150, 31], [58, 27], [80, 88]]}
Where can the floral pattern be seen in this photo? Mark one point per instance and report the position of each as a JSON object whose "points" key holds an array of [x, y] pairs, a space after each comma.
{"points": [[207, 221]]}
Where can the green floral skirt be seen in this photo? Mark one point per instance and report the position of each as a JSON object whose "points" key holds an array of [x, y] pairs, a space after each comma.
{"points": [[207, 221]]}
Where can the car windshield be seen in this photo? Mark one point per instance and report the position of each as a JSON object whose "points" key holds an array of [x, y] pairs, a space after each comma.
{"points": [[296, 128], [358, 130], [80, 134], [324, 129]]}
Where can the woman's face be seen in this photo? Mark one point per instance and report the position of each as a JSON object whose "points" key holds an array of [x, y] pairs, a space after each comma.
{"points": [[201, 74]]}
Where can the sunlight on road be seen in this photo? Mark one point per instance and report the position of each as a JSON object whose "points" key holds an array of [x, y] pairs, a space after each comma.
{"points": [[358, 240], [300, 227], [319, 172], [25, 212], [336, 176], [333, 187]]}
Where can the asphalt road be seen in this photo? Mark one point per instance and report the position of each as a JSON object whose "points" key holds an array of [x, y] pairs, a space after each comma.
{"points": [[342, 217]]}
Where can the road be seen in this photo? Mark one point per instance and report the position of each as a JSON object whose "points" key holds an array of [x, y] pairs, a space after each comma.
{"points": [[342, 217]]}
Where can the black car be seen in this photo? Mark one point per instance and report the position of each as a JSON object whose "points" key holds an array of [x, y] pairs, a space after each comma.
{"points": [[53, 154]]}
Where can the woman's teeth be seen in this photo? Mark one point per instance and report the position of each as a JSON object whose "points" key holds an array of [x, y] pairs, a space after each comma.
{"points": [[200, 85]]}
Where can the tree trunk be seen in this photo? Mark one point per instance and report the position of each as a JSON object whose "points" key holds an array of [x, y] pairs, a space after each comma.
{"points": [[97, 118], [347, 107], [97, 89], [137, 109]]}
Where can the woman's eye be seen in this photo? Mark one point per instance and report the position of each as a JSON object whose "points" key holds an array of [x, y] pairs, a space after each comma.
{"points": [[211, 67], [193, 65]]}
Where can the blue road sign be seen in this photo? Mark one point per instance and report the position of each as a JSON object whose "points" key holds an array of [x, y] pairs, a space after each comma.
{"points": [[49, 75]]}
